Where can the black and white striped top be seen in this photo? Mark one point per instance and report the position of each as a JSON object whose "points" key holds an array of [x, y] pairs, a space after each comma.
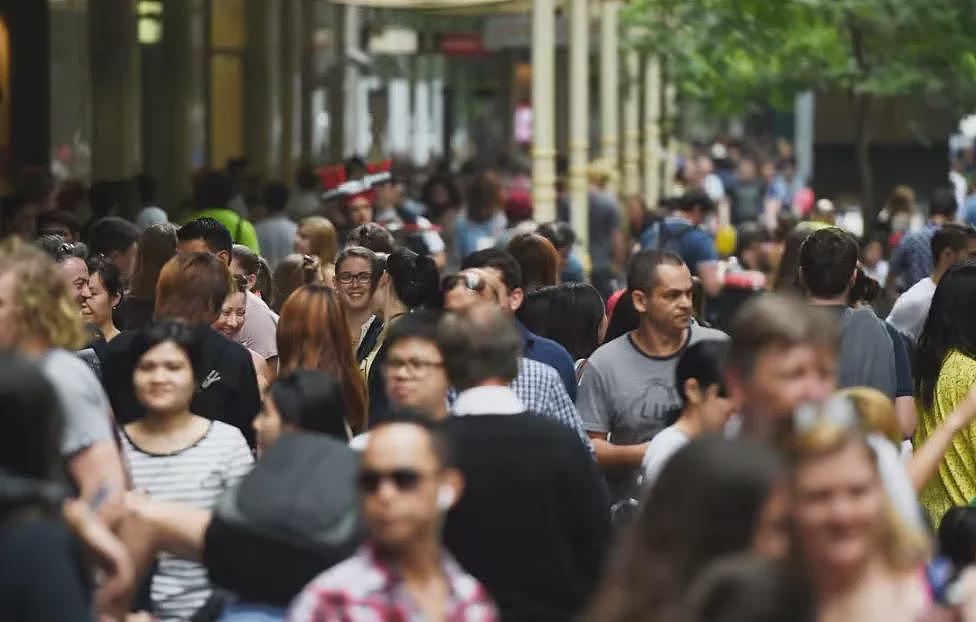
{"points": [[197, 475]]}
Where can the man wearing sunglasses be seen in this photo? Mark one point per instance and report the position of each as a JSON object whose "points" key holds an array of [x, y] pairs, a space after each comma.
{"points": [[406, 485]]}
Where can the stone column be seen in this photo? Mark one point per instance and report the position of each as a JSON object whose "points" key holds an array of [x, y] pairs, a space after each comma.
{"points": [[631, 167], [579, 116], [652, 131], [115, 89], [543, 110], [609, 85]]}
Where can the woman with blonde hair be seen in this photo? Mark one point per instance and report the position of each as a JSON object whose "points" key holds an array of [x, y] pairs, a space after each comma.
{"points": [[317, 236], [312, 334], [40, 320], [862, 560]]}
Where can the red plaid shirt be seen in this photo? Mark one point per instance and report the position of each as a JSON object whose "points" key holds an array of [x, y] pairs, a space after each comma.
{"points": [[364, 588]]}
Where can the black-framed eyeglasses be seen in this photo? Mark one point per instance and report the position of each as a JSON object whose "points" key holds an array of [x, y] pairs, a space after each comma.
{"points": [[412, 365], [363, 278], [471, 281], [405, 480]]}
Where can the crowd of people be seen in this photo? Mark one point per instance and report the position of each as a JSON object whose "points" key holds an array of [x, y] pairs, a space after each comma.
{"points": [[338, 402]]}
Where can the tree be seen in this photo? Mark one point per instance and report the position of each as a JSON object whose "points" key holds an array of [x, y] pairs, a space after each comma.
{"points": [[731, 54]]}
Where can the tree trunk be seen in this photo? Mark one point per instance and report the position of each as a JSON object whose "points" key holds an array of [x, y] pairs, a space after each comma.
{"points": [[862, 143]]}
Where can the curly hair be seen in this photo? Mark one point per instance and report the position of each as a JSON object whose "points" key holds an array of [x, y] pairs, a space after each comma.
{"points": [[46, 307]]}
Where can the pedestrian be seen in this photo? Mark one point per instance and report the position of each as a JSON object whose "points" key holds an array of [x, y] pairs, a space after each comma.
{"points": [[863, 562], [60, 223], [533, 495], [70, 258], [828, 266], [682, 234], [571, 314], [952, 244], [292, 272], [212, 195], [312, 335], [372, 236], [118, 240], [107, 292], [40, 320], [276, 232], [44, 570], [414, 373], [175, 455], [482, 221], [407, 484], [749, 588], [563, 237], [946, 366], [358, 272], [912, 261], [705, 409], [317, 236], [537, 259], [713, 498], [151, 213], [307, 199], [606, 243], [232, 318], [627, 394], [538, 386], [506, 269], [259, 331], [303, 400], [157, 245], [192, 289]]}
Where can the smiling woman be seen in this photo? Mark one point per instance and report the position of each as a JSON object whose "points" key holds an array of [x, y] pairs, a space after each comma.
{"points": [[106, 288], [175, 455]]}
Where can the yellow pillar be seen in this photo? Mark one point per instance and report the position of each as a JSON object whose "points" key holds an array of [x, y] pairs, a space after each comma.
{"points": [[579, 113], [670, 165], [609, 84], [543, 110], [631, 168], [652, 131]]}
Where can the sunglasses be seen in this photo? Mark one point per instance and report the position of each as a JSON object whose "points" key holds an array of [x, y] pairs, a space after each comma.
{"points": [[405, 480], [470, 281]]}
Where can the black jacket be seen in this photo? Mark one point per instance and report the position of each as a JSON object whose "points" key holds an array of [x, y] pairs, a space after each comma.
{"points": [[228, 391], [533, 524]]}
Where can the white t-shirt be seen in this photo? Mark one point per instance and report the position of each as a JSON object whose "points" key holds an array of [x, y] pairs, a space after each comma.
{"points": [[659, 451], [912, 309]]}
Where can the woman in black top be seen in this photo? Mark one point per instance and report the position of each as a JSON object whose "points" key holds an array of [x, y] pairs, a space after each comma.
{"points": [[156, 246]]}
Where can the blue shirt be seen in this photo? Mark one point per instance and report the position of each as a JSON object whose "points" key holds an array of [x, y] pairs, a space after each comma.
{"points": [[912, 260], [550, 353], [692, 243]]}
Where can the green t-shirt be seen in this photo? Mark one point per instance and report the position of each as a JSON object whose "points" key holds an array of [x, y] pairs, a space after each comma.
{"points": [[241, 231]]}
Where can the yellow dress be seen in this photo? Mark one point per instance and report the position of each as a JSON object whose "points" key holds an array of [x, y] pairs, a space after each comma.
{"points": [[955, 484]]}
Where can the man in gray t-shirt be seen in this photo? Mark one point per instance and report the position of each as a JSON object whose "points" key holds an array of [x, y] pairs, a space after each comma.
{"points": [[627, 393]]}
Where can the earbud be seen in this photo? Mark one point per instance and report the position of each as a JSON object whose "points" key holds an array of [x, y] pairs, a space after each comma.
{"points": [[445, 497]]}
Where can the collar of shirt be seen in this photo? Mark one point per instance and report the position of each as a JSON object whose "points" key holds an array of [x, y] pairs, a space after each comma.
{"points": [[528, 337], [491, 400]]}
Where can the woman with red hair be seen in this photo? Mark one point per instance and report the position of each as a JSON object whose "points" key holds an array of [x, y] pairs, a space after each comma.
{"points": [[312, 334]]}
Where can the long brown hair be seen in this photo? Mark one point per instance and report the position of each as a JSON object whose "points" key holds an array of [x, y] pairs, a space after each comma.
{"points": [[312, 334], [292, 272], [157, 245]]}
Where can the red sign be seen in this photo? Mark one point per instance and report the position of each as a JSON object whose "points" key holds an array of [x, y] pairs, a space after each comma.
{"points": [[462, 44]]}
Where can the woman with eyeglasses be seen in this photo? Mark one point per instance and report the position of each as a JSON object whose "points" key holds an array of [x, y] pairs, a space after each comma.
{"points": [[862, 560], [357, 275]]}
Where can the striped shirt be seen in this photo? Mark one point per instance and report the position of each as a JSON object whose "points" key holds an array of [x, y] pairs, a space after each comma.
{"points": [[197, 475]]}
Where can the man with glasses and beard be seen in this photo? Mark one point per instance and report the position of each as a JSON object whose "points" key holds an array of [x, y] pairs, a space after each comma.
{"points": [[406, 484]]}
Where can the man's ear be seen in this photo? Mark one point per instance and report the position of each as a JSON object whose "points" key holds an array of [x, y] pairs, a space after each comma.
{"points": [[641, 300], [224, 256], [516, 298], [693, 394]]}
